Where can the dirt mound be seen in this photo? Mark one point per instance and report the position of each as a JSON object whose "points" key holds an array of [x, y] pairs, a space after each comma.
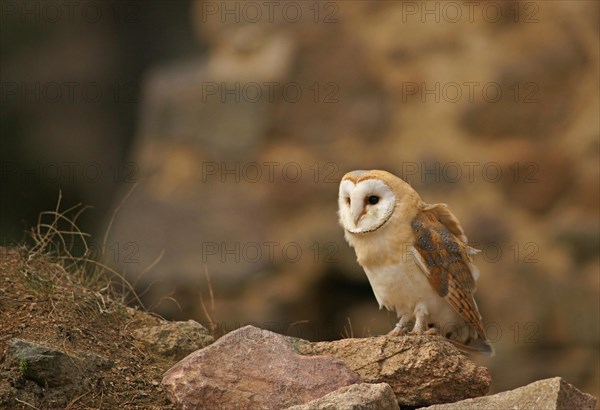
{"points": [[52, 310]]}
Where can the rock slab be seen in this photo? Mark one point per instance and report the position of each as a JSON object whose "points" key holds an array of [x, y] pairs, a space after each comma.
{"points": [[547, 394], [252, 368], [175, 339], [363, 396], [421, 370]]}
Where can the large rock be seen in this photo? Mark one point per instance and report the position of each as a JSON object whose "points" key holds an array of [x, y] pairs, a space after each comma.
{"points": [[355, 397], [175, 339], [421, 370], [253, 368], [548, 394]]}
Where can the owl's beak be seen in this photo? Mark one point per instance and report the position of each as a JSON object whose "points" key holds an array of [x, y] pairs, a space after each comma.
{"points": [[357, 212]]}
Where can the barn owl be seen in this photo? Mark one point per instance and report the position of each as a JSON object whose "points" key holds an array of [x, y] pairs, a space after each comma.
{"points": [[415, 256]]}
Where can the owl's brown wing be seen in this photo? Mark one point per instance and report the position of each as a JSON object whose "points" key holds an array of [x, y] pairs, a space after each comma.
{"points": [[441, 252]]}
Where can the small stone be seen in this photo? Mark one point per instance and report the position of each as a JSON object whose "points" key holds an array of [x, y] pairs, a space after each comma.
{"points": [[49, 367], [353, 397], [175, 339], [547, 394]]}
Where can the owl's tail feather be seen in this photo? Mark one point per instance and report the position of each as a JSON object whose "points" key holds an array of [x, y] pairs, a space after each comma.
{"points": [[478, 345]]}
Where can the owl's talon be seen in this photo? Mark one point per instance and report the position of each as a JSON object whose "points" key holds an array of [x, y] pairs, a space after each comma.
{"points": [[398, 331], [420, 322], [401, 328], [432, 331], [429, 332]]}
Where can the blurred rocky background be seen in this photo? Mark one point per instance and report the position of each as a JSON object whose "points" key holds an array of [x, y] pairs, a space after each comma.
{"points": [[211, 136]]}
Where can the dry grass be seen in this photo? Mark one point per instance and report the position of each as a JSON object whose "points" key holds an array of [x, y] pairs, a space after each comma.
{"points": [[56, 236], [56, 293]]}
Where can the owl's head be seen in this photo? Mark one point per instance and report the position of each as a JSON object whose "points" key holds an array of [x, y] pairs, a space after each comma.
{"points": [[368, 199]]}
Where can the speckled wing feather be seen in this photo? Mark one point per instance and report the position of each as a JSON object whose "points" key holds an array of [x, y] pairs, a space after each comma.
{"points": [[445, 259]]}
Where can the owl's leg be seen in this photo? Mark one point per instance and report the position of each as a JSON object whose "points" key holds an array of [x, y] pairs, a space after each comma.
{"points": [[420, 319], [401, 327]]}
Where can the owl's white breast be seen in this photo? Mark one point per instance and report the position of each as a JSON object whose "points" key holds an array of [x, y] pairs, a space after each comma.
{"points": [[402, 286]]}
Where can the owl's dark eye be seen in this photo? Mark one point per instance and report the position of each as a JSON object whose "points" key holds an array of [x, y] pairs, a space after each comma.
{"points": [[348, 200], [373, 199]]}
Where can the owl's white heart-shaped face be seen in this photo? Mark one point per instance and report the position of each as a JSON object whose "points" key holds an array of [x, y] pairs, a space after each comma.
{"points": [[366, 205]]}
